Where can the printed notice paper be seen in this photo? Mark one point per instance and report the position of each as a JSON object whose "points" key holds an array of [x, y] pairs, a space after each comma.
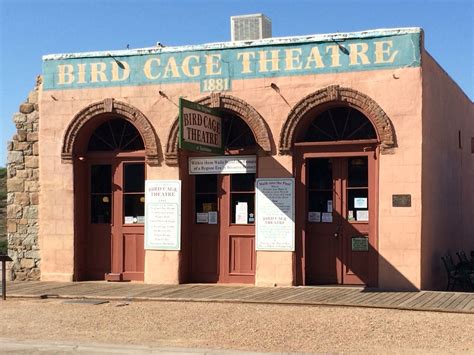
{"points": [[241, 212], [360, 202], [275, 215], [202, 217], [212, 217], [163, 214], [327, 217], [329, 205], [362, 215], [314, 216]]}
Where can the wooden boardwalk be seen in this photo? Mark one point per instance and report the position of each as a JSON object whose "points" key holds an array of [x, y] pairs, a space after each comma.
{"points": [[454, 302]]}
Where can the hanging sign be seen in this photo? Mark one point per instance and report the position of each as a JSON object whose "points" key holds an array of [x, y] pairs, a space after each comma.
{"points": [[275, 216], [227, 164], [163, 214], [200, 128]]}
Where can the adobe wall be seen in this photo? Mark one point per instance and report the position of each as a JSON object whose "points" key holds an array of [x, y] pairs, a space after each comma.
{"points": [[448, 172], [397, 92]]}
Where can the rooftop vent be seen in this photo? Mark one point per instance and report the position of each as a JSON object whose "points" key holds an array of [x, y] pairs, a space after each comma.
{"points": [[250, 27]]}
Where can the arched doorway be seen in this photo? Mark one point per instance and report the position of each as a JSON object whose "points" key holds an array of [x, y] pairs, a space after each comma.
{"points": [[336, 135], [109, 192], [336, 165], [106, 142], [219, 242]]}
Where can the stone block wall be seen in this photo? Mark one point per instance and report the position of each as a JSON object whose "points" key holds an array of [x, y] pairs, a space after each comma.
{"points": [[22, 191]]}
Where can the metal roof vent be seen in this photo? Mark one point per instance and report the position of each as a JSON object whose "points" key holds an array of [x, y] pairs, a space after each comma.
{"points": [[250, 27]]}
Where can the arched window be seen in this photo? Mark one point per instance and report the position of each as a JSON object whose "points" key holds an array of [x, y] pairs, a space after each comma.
{"points": [[115, 134], [338, 124], [236, 133]]}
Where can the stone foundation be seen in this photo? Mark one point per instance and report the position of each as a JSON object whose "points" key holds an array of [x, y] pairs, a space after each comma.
{"points": [[23, 190]]}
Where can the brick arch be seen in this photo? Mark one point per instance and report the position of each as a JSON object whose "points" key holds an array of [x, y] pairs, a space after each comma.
{"points": [[336, 94], [125, 111], [250, 116]]}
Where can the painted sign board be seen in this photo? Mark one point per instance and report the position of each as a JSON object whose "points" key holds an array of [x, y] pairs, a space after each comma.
{"points": [[200, 128], [275, 214], [163, 214], [216, 66], [227, 164]]}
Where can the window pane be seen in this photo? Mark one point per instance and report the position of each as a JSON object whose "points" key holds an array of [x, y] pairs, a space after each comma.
{"points": [[339, 124], [206, 203], [115, 134], [101, 179], [101, 208], [243, 198], [206, 183], [134, 177], [357, 204], [134, 208], [320, 174], [242, 182], [236, 133], [318, 201], [358, 172]]}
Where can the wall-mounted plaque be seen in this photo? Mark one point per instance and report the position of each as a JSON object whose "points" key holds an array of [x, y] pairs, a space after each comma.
{"points": [[401, 200], [360, 244]]}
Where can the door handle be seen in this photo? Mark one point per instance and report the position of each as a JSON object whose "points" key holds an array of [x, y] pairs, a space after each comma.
{"points": [[338, 231]]}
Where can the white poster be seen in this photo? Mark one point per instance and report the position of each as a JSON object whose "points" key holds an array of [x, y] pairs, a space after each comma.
{"points": [[329, 206], [202, 217], [163, 214], [360, 202], [237, 164], [314, 216], [275, 214], [241, 212], [326, 217], [212, 217], [362, 215]]}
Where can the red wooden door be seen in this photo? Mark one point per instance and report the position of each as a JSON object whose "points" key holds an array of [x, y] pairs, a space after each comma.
{"points": [[115, 233], [204, 235], [340, 227], [237, 232], [222, 243]]}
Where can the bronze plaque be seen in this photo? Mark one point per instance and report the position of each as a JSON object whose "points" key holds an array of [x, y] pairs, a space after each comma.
{"points": [[360, 244], [401, 200]]}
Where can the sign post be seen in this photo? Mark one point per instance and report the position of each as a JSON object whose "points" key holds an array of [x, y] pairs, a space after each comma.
{"points": [[200, 128]]}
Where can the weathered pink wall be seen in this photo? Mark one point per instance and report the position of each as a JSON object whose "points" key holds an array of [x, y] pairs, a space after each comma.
{"points": [[397, 91], [448, 172]]}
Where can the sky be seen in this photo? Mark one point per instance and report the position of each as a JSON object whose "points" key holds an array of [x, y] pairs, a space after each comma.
{"points": [[30, 29]]}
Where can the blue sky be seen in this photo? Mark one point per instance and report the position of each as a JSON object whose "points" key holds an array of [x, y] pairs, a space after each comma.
{"points": [[32, 28]]}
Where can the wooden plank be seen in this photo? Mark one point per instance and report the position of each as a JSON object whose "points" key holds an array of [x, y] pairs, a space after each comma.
{"points": [[312, 296], [430, 304], [462, 305], [429, 296], [411, 300], [469, 306], [442, 299], [450, 300], [298, 295], [457, 301]]}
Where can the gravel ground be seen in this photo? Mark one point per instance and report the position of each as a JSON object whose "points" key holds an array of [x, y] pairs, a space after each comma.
{"points": [[239, 326]]}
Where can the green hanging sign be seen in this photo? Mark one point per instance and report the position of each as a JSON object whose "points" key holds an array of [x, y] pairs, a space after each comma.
{"points": [[200, 128]]}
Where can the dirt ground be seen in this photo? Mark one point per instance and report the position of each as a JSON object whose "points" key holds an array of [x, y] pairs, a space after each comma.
{"points": [[239, 326]]}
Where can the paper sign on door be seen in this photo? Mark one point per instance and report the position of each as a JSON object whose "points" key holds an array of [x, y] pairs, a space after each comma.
{"points": [[241, 213]]}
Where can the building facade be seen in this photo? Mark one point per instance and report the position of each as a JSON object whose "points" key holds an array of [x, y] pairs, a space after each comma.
{"points": [[360, 144]]}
